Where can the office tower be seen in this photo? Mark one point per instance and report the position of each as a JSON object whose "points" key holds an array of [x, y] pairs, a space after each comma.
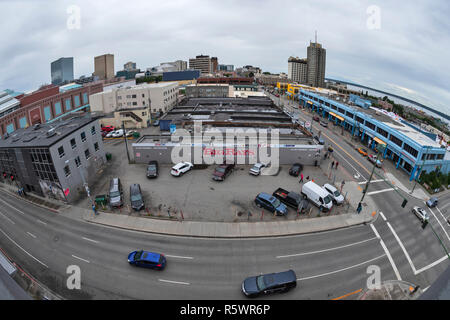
{"points": [[316, 65], [202, 63], [297, 69], [104, 66], [62, 70]]}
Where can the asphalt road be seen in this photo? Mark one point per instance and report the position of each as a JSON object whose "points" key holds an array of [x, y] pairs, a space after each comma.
{"points": [[328, 265]]}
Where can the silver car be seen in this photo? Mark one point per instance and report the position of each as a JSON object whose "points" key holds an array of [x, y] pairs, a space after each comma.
{"points": [[256, 169], [421, 214]]}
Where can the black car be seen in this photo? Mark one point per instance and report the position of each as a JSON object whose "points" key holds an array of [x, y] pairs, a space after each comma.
{"points": [[137, 201], [152, 169], [269, 283], [289, 198], [296, 169]]}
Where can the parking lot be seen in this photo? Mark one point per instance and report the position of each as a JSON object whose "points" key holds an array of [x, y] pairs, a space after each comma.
{"points": [[195, 196]]}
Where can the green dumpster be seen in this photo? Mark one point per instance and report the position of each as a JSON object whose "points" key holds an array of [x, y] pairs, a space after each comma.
{"points": [[136, 134], [108, 156], [101, 200]]}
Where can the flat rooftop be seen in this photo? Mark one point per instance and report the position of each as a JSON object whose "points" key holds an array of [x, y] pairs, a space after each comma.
{"points": [[45, 135], [415, 135]]}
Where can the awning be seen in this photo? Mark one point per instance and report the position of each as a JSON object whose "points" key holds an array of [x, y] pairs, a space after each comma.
{"points": [[380, 141], [310, 102], [338, 117]]}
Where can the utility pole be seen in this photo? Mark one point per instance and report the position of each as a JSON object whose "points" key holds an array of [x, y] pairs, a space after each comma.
{"points": [[126, 143]]}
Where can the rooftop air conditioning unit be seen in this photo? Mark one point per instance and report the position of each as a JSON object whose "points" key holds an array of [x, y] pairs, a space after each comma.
{"points": [[51, 133]]}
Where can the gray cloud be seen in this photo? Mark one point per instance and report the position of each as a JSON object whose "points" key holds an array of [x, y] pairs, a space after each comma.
{"points": [[409, 50]]}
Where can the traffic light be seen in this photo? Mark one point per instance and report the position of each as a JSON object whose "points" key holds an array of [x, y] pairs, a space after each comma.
{"points": [[404, 203]]}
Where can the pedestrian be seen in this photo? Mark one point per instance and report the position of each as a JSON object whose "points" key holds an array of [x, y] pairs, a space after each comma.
{"points": [[337, 163], [301, 178], [332, 165], [94, 208]]}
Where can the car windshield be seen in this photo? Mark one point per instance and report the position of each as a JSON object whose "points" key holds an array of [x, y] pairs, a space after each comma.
{"points": [[327, 199], [115, 194], [276, 203], [151, 167], [136, 197], [336, 193], [220, 169], [138, 255], [260, 283]]}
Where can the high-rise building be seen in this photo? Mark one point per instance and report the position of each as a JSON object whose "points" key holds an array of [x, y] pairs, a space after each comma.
{"points": [[129, 66], [316, 65], [62, 70], [297, 69], [104, 66], [179, 65], [214, 64], [202, 63]]}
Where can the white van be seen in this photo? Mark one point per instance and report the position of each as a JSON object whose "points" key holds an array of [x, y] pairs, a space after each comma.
{"points": [[317, 195]]}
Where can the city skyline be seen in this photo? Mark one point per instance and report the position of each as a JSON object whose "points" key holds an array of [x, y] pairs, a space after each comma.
{"points": [[404, 62]]}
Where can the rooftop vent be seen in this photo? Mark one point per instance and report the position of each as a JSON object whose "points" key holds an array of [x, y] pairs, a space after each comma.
{"points": [[6, 136], [36, 126], [51, 133]]}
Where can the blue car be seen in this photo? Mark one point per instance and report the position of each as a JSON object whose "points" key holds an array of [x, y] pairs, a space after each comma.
{"points": [[269, 202], [432, 202], [147, 259]]}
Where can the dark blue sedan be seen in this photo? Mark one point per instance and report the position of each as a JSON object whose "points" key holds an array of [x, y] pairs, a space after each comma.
{"points": [[147, 259]]}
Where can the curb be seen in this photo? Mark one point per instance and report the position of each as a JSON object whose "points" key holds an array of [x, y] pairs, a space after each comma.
{"points": [[25, 199]]}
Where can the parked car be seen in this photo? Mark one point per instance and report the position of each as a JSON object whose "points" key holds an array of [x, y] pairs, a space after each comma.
{"points": [[136, 199], [222, 171], [316, 118], [317, 195], [324, 123], [337, 197], [130, 133], [115, 194], [266, 201], [319, 140], [152, 169], [110, 134], [432, 202], [421, 214], [289, 198], [108, 128], [156, 123], [256, 169], [146, 259], [269, 283], [181, 168], [296, 169], [363, 151], [118, 133], [374, 159], [104, 134]]}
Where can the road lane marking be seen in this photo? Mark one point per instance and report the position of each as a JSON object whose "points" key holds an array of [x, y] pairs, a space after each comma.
{"points": [[325, 250], [380, 191], [12, 207], [445, 231], [372, 181], [442, 215], [343, 269], [179, 257], [23, 249], [32, 235], [388, 254], [176, 282], [44, 223], [87, 239], [402, 247], [431, 265], [81, 259], [382, 215], [7, 218], [347, 295]]}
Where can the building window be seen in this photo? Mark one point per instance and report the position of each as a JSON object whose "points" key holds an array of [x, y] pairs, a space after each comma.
{"points": [[143, 96], [85, 98], [67, 171], [384, 133], [349, 114], [68, 104], [61, 152], [134, 103], [128, 96], [23, 122], [396, 140], [144, 113], [341, 111], [83, 136], [93, 130], [133, 96], [96, 146], [73, 143], [47, 113], [87, 154], [76, 100], [440, 156], [77, 161], [370, 125], [360, 120], [58, 109], [119, 97]]}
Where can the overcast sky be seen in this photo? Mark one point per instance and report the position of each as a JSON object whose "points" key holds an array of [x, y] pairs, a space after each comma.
{"points": [[408, 54]]}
